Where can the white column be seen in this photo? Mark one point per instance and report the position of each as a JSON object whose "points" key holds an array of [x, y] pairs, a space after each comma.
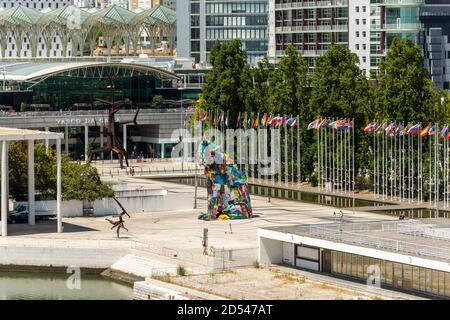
{"points": [[125, 137], [86, 142], [162, 150], [31, 204], [4, 186], [66, 139], [46, 141], [58, 185]]}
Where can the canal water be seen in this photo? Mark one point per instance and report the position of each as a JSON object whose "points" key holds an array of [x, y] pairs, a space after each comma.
{"points": [[291, 194], [333, 200], [56, 286]]}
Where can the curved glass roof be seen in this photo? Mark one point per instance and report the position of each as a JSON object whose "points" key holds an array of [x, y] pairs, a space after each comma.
{"points": [[34, 71]]}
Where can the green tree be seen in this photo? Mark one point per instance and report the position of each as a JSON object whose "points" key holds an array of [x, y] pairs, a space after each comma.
{"points": [[79, 181], [405, 92], [339, 87], [340, 90], [288, 84], [157, 102], [258, 95], [228, 83]]}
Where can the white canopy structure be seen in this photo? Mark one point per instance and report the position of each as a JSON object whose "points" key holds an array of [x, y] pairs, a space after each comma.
{"points": [[11, 134]]}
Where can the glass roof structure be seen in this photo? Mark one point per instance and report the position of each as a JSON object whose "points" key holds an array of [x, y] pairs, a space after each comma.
{"points": [[115, 24]]}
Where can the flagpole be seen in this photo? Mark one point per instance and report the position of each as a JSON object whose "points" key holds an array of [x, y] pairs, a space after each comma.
{"points": [[292, 154], [299, 160], [353, 162], [286, 157]]}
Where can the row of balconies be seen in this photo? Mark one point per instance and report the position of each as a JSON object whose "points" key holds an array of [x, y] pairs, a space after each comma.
{"points": [[314, 28], [396, 27], [397, 3], [313, 4]]}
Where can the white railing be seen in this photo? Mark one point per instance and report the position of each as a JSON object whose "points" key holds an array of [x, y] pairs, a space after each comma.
{"points": [[397, 26], [357, 234], [313, 4], [313, 28]]}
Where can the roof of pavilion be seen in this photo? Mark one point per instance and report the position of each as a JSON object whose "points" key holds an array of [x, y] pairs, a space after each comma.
{"points": [[113, 15], [37, 71], [70, 16], [13, 134], [158, 14], [19, 15]]}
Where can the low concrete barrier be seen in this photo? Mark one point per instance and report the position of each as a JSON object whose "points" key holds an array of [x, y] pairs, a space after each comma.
{"points": [[134, 201]]}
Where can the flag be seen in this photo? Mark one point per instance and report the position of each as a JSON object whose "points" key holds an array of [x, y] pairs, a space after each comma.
{"points": [[323, 124], [432, 130], [289, 121], [314, 124], [283, 120], [294, 124], [444, 132], [269, 120], [413, 130], [204, 117], [425, 131], [256, 122], [238, 121], [263, 119], [244, 122], [370, 127]]}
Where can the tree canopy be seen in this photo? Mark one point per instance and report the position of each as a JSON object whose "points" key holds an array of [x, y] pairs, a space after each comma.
{"points": [[288, 84], [79, 181], [339, 88], [404, 91], [228, 83]]}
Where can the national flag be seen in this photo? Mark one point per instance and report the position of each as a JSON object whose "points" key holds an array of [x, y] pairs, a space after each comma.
{"points": [[268, 120], [284, 120], [263, 119], [333, 125], [289, 121], [222, 119], [238, 121], [314, 124], [444, 132], [323, 124], [425, 131], [256, 122], [204, 117], [432, 130], [294, 124], [370, 127], [413, 130]]}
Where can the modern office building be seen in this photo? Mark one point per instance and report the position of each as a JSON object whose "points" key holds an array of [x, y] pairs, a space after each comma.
{"points": [[221, 20], [410, 255], [366, 27], [435, 19], [311, 26]]}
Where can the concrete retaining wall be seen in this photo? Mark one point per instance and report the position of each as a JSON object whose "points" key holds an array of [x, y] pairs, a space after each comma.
{"points": [[134, 201], [60, 257]]}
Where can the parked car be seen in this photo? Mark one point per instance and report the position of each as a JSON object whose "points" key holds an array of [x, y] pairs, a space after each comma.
{"points": [[20, 215]]}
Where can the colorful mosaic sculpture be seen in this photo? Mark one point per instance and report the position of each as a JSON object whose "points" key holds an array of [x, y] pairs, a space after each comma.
{"points": [[228, 192]]}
